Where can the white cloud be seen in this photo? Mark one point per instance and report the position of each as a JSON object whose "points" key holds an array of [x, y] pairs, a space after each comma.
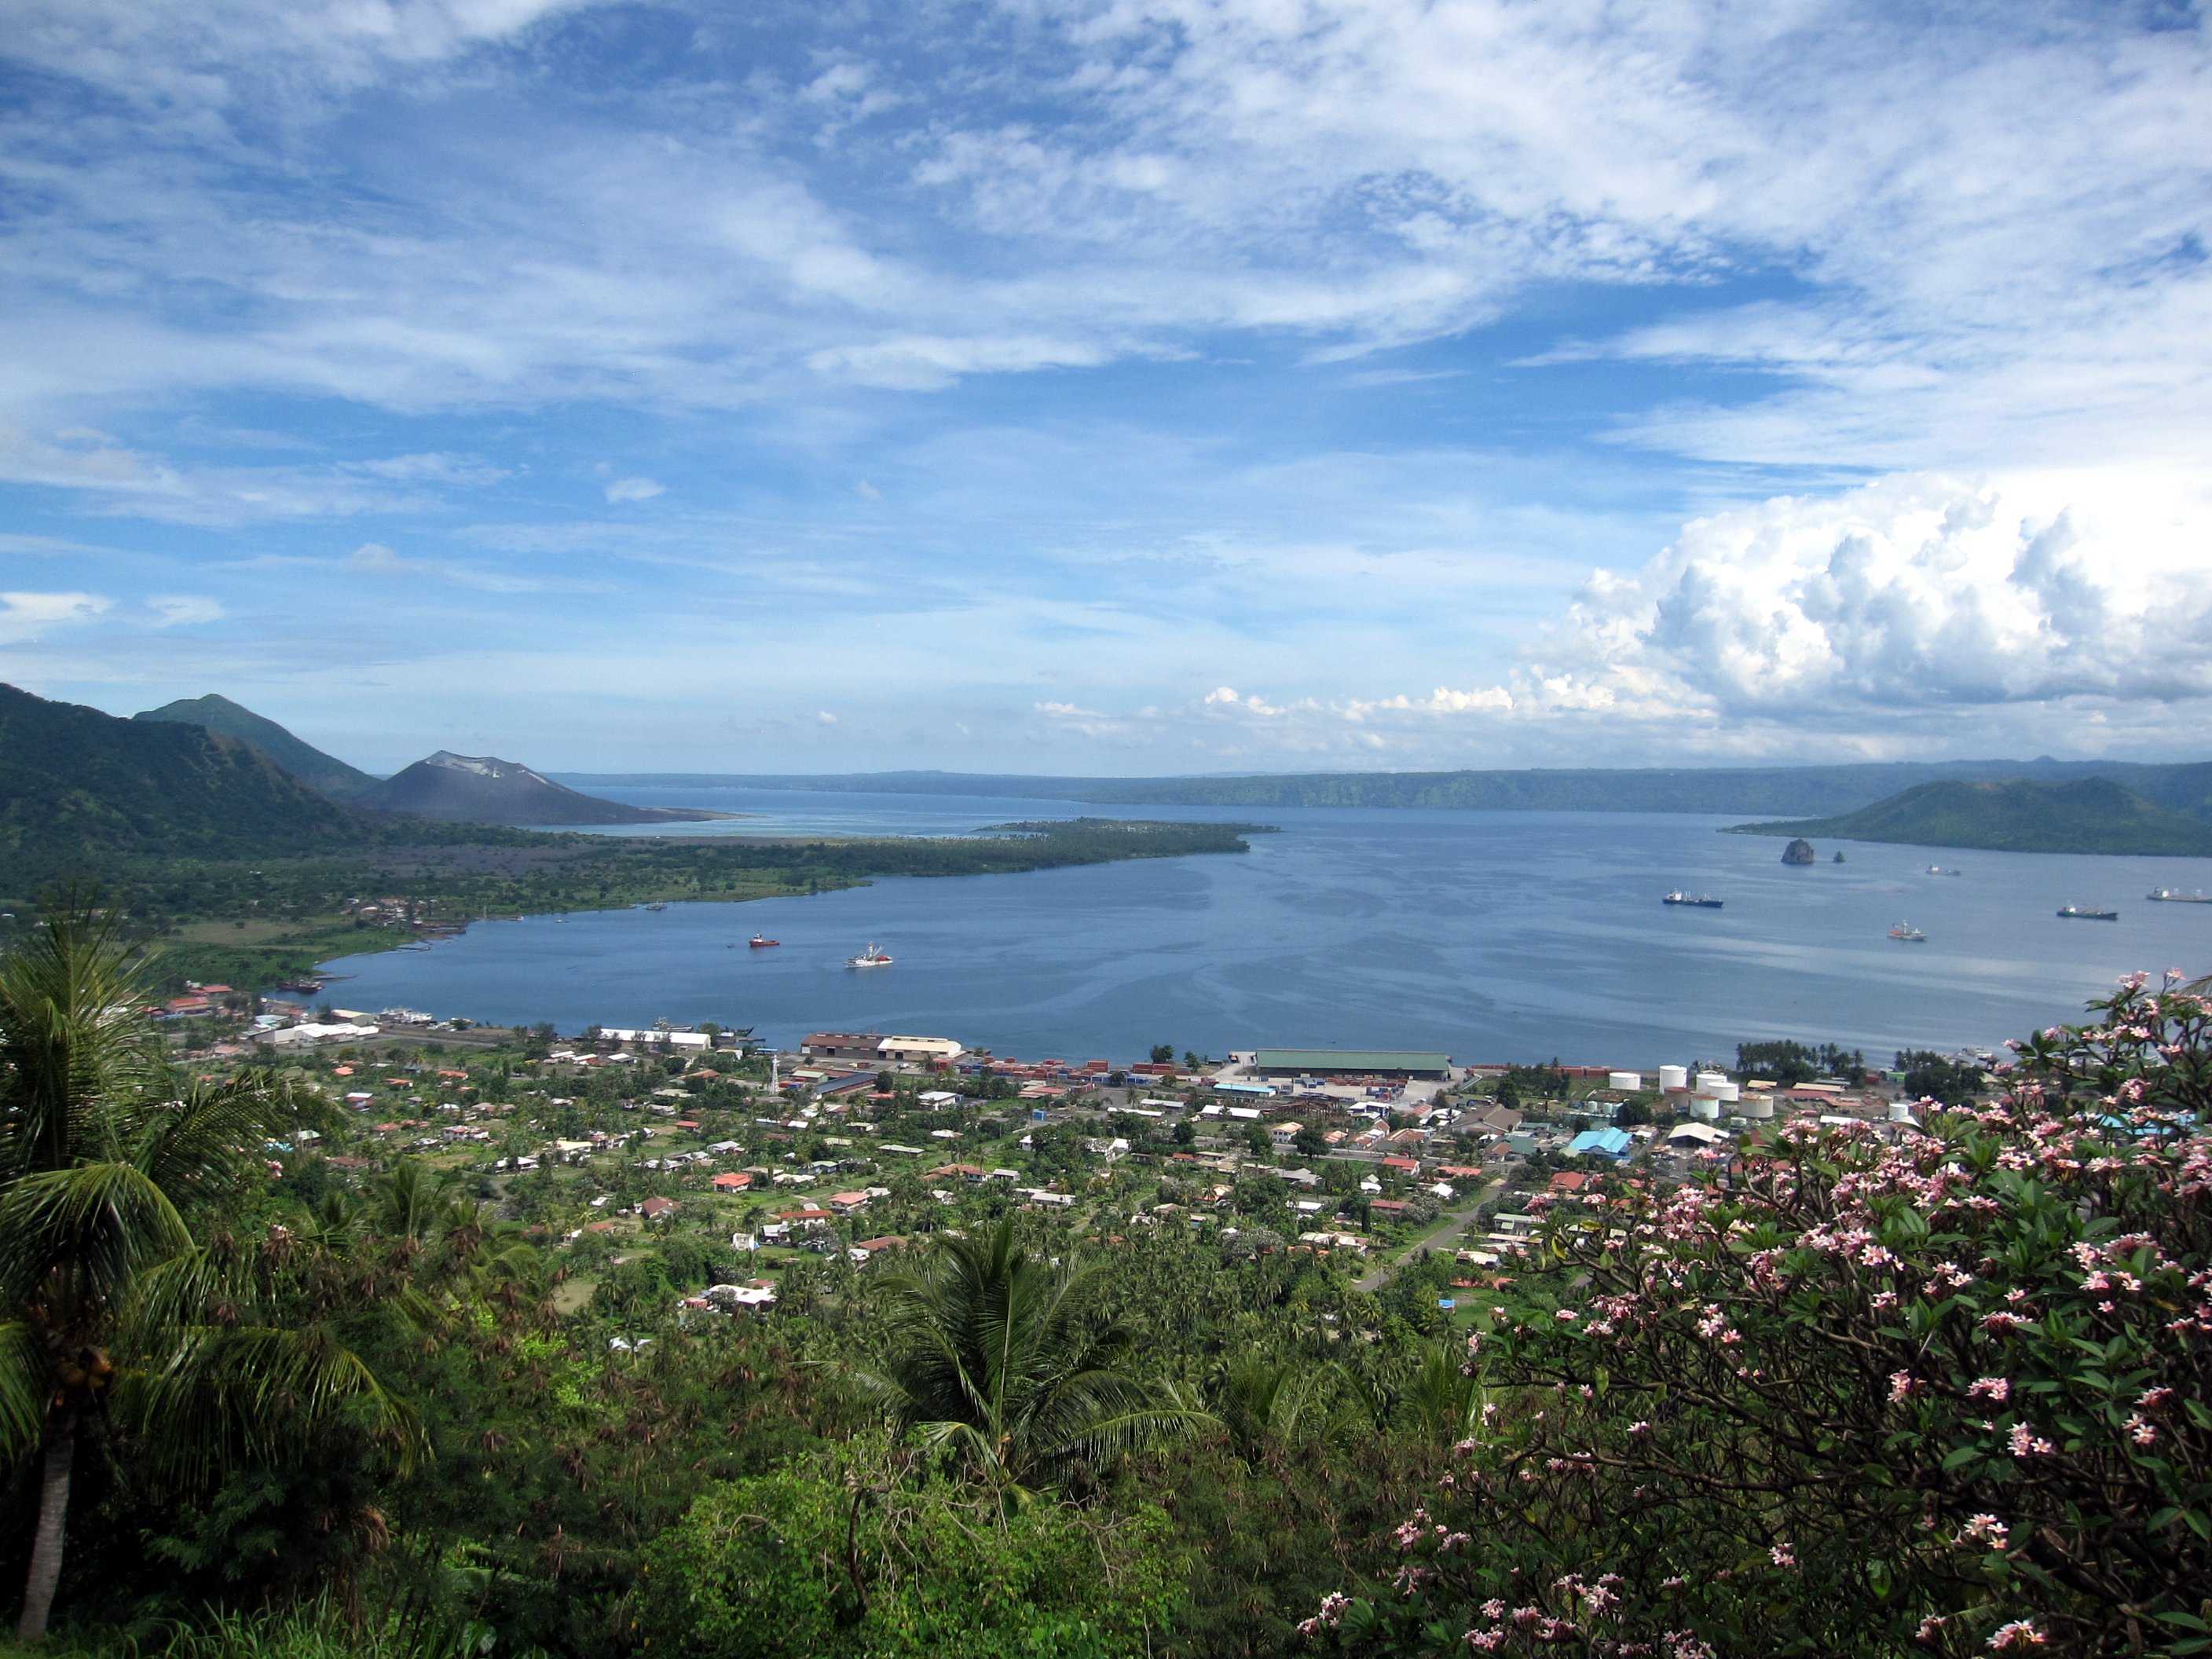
{"points": [[26, 617], [184, 610], [635, 490], [1914, 592]]}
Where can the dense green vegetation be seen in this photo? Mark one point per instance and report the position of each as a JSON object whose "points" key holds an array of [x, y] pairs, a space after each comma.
{"points": [[77, 787], [2091, 815], [326, 775], [1788, 1062], [1845, 1394]]}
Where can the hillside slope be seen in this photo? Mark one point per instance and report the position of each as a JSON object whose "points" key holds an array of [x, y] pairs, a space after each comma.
{"points": [[484, 789], [325, 773], [77, 786], [2091, 815]]}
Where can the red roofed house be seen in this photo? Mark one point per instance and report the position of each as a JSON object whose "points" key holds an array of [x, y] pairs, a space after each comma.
{"points": [[733, 1182], [653, 1209], [848, 1203], [1570, 1182], [1407, 1165]]}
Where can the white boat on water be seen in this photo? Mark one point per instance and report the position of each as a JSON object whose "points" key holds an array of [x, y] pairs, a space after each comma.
{"points": [[2175, 896], [1906, 933], [874, 957]]}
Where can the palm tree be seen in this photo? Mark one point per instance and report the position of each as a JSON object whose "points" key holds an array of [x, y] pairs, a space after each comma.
{"points": [[1280, 1405], [107, 1298], [1008, 1360]]}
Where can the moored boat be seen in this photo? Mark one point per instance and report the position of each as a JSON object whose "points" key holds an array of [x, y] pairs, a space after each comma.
{"points": [[2086, 913], [2175, 896], [1696, 901]]}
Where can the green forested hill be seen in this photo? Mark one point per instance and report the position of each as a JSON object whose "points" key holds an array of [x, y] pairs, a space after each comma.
{"points": [[2090, 815], [78, 785], [326, 773]]}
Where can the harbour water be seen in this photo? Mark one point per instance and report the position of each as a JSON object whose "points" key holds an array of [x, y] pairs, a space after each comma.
{"points": [[1491, 935]]}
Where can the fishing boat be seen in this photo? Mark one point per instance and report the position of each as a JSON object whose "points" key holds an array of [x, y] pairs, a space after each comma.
{"points": [[1906, 933], [874, 957], [761, 942], [2175, 896], [2085, 912], [1695, 901], [1938, 869]]}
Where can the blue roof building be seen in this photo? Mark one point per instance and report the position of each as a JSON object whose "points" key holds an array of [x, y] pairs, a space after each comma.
{"points": [[1602, 1143]]}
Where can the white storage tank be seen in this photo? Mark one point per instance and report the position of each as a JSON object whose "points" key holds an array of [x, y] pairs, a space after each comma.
{"points": [[1724, 1092], [1900, 1111], [1761, 1107], [1626, 1082], [1673, 1077], [1704, 1106], [1711, 1082]]}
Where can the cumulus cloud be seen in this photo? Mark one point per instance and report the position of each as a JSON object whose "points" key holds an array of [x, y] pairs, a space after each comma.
{"points": [[1911, 593], [24, 617]]}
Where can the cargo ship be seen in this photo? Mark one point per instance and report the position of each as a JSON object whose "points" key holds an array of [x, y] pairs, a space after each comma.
{"points": [[2084, 912], [2175, 896], [1696, 901]]}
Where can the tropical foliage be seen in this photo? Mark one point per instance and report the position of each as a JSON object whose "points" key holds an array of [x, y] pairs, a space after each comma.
{"points": [[1945, 1391]]}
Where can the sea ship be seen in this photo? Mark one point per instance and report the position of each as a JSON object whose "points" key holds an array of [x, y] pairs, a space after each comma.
{"points": [[2084, 912], [1696, 901], [873, 957], [1938, 869], [1906, 933], [759, 942], [2175, 896]]}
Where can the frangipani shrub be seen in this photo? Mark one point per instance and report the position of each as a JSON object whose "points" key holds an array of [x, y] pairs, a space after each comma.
{"points": [[1875, 1389]]}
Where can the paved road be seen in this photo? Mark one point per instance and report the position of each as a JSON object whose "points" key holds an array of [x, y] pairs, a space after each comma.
{"points": [[1446, 1232]]}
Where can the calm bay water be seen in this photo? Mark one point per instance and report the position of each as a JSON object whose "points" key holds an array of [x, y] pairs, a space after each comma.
{"points": [[1491, 935]]}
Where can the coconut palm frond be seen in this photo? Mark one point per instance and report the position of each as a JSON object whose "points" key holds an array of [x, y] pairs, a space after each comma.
{"points": [[80, 1236], [72, 1038], [193, 1145], [25, 1385], [259, 1390], [410, 1201], [1003, 1358]]}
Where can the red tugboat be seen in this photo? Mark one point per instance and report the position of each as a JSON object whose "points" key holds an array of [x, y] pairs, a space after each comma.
{"points": [[760, 943]]}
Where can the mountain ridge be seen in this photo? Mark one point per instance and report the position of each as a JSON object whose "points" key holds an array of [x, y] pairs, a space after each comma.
{"points": [[326, 773], [1776, 791], [447, 788], [2092, 815]]}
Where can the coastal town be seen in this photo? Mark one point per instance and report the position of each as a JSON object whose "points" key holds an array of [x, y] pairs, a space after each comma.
{"points": [[617, 1142]]}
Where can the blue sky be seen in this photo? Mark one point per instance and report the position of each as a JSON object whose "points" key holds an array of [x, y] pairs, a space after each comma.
{"points": [[1128, 386]]}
